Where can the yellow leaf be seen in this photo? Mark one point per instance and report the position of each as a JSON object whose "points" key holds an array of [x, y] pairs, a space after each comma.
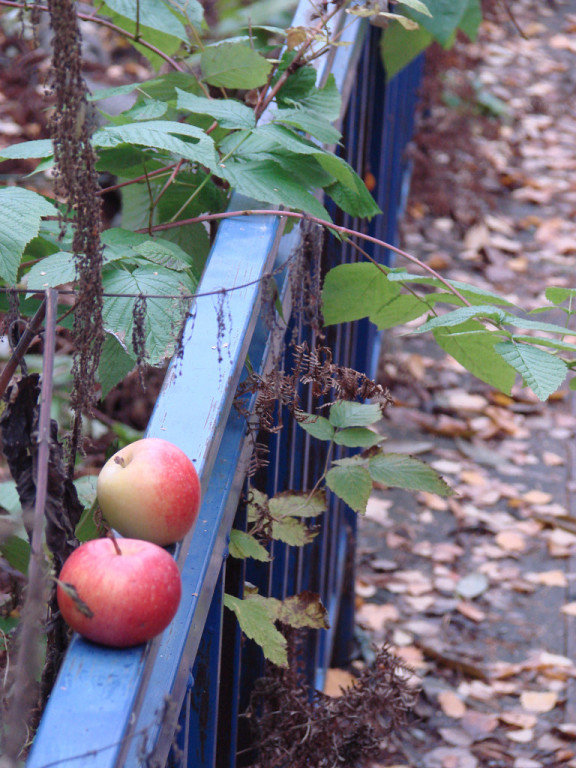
{"points": [[538, 701]]}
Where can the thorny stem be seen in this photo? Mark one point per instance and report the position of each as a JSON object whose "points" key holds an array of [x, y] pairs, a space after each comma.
{"points": [[138, 179], [328, 224], [104, 23]]}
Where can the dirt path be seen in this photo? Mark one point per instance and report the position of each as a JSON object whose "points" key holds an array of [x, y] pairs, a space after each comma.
{"points": [[478, 592]]}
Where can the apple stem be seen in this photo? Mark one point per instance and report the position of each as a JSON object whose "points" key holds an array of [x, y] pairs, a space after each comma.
{"points": [[115, 542]]}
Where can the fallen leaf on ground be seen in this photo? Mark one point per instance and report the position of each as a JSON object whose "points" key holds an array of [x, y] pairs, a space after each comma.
{"points": [[548, 578], [569, 609], [451, 704], [336, 681], [538, 701], [521, 720], [511, 541], [521, 737], [471, 611]]}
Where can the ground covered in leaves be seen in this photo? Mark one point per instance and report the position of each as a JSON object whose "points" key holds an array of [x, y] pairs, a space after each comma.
{"points": [[477, 592]]}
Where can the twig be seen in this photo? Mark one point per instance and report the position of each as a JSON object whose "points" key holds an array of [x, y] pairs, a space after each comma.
{"points": [[328, 224], [28, 657], [25, 340]]}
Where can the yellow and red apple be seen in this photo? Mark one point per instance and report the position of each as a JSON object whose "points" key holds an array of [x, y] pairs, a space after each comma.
{"points": [[119, 599], [150, 490]]}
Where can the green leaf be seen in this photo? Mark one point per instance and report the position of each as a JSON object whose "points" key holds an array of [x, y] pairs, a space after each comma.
{"points": [[234, 65], [572, 384], [461, 315], [417, 5], [149, 109], [473, 293], [16, 552], [542, 372], [352, 483], [243, 545], [317, 426], [26, 150], [399, 46], [353, 291], [86, 528], [21, 212], [303, 610], [471, 20], [357, 202], [7, 624], [154, 14], [298, 504], [541, 341], [162, 134], [298, 85], [476, 353], [309, 122], [54, 270], [227, 112], [357, 437], [398, 310], [293, 532], [267, 181], [257, 502], [163, 316], [115, 363], [521, 322], [256, 620], [163, 252], [159, 88], [86, 489], [350, 414], [443, 19], [398, 470], [560, 295]]}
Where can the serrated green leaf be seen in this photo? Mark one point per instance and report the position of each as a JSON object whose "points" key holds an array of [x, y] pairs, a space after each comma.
{"points": [[163, 252], [154, 14], [544, 342], [471, 20], [473, 293], [351, 291], [149, 109], [293, 532], [256, 620], [163, 316], [357, 202], [298, 85], [473, 347], [317, 426], [21, 212], [115, 364], [162, 134], [54, 270], [267, 181], [16, 552], [243, 545], [234, 65], [352, 483], [357, 437], [558, 295], [535, 325], [350, 414], [26, 150], [461, 315], [397, 470], [227, 112], [309, 122], [542, 372], [298, 504]]}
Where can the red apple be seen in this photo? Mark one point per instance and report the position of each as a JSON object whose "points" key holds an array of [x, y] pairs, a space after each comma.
{"points": [[119, 599], [150, 490]]}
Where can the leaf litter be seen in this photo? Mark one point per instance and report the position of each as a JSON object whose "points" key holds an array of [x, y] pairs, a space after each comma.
{"points": [[477, 592]]}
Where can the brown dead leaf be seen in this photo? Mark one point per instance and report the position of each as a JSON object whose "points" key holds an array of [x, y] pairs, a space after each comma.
{"points": [[511, 541], [432, 501], [552, 459], [538, 701], [451, 704], [337, 681], [523, 736], [569, 609], [521, 720], [471, 611], [456, 736], [375, 617], [478, 724], [537, 497], [548, 578]]}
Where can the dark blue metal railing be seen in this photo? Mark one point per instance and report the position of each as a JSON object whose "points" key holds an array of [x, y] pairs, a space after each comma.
{"points": [[176, 702]]}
